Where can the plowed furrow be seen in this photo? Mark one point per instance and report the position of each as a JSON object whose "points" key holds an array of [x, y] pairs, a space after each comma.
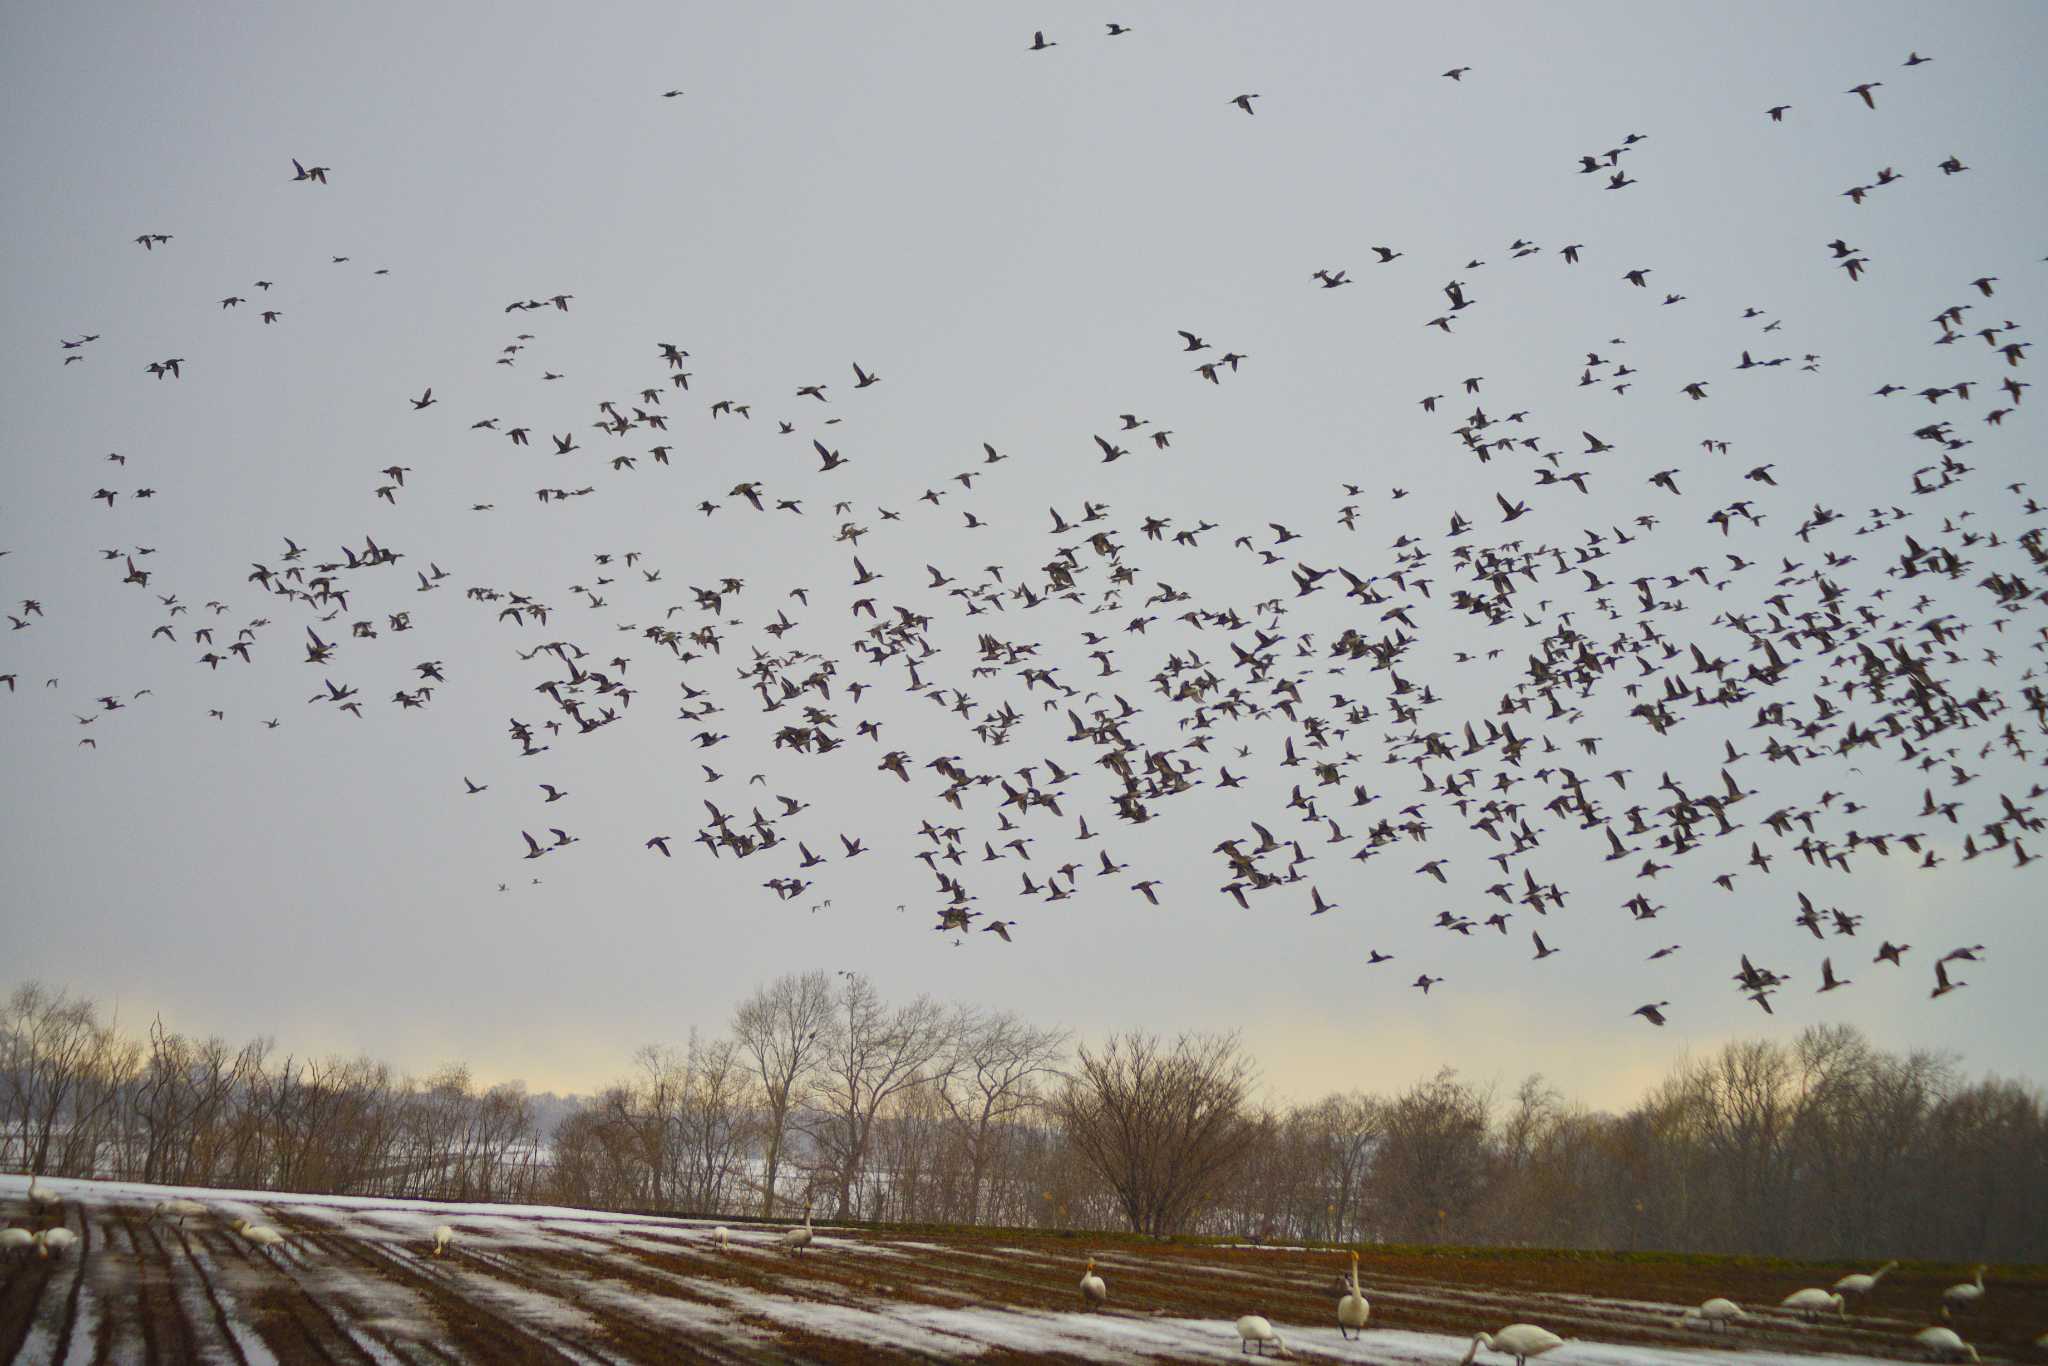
{"points": [[292, 1324], [631, 1336], [203, 1278], [23, 1279], [469, 1331], [78, 1257], [168, 1331]]}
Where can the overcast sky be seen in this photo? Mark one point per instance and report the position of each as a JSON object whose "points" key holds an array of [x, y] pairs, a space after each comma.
{"points": [[1010, 240]]}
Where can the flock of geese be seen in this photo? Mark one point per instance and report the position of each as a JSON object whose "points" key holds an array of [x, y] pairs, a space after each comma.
{"points": [[1521, 1341], [1900, 640]]}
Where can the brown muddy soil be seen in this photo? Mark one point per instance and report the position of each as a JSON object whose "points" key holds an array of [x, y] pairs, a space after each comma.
{"points": [[358, 1284]]}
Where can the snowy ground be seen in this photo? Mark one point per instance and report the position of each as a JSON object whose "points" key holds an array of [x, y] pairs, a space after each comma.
{"points": [[356, 1283]]}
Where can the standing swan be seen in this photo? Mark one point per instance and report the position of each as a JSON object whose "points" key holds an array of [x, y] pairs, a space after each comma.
{"points": [[1252, 1328], [797, 1239], [57, 1240], [1715, 1313], [1518, 1340], [443, 1236], [1964, 1294], [1353, 1310], [1093, 1291], [1860, 1284], [1813, 1302], [723, 1235], [1942, 1344], [40, 1200]]}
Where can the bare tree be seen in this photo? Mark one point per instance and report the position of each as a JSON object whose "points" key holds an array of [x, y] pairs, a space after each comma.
{"points": [[998, 1063], [1821, 1146], [1165, 1127], [46, 1042], [1344, 1130], [716, 1128], [1430, 1171], [783, 1030], [873, 1053]]}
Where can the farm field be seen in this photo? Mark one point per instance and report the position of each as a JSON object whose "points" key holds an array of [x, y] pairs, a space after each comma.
{"points": [[357, 1282]]}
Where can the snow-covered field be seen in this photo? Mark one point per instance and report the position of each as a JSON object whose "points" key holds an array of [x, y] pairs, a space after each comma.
{"points": [[356, 1281]]}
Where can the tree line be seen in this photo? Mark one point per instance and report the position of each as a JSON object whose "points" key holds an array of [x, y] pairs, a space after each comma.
{"points": [[823, 1094]]}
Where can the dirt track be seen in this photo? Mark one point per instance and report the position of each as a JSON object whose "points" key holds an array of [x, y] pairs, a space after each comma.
{"points": [[356, 1284]]}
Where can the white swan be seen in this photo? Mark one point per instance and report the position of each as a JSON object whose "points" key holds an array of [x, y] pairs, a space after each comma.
{"points": [[797, 1239], [262, 1235], [41, 1200], [1963, 1294], [1715, 1313], [443, 1236], [1860, 1284], [14, 1240], [1813, 1302], [1942, 1344], [1252, 1328], [1093, 1290], [57, 1240], [1353, 1310], [723, 1235], [181, 1210], [1518, 1340]]}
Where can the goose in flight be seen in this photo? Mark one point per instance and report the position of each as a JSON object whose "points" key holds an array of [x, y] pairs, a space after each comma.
{"points": [[314, 173]]}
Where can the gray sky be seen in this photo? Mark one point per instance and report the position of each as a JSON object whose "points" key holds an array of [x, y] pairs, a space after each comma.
{"points": [[1010, 240]]}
